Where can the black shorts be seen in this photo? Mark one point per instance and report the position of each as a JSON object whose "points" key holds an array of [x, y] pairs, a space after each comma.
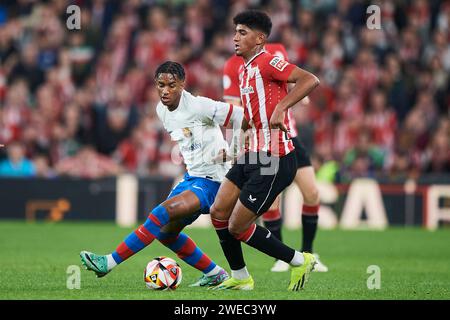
{"points": [[262, 178], [301, 154]]}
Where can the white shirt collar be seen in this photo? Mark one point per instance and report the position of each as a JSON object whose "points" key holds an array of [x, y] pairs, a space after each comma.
{"points": [[254, 57]]}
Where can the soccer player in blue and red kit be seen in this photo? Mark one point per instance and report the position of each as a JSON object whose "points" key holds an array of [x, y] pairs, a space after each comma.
{"points": [[194, 123]]}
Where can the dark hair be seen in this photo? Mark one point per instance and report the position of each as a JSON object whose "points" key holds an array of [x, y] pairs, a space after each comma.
{"points": [[174, 68], [254, 20]]}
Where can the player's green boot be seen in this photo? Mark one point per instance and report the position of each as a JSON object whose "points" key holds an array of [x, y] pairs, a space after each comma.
{"points": [[300, 274], [94, 262], [213, 280], [235, 284]]}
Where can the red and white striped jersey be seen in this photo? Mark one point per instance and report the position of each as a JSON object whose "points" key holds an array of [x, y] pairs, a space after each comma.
{"points": [[263, 83], [235, 65]]}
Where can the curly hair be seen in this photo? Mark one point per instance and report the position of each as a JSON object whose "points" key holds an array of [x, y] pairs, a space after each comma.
{"points": [[174, 68], [254, 19]]}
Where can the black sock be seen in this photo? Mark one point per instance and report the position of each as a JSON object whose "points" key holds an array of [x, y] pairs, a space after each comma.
{"points": [[231, 248], [270, 245], [274, 226], [309, 224]]}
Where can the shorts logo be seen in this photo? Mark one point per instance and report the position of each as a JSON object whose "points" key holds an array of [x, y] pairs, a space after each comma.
{"points": [[251, 199], [278, 63]]}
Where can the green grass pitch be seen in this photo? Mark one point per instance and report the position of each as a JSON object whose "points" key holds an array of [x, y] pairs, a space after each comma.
{"points": [[414, 264]]}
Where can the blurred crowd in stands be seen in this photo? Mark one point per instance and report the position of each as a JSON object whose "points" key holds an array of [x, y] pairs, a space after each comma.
{"points": [[82, 102]]}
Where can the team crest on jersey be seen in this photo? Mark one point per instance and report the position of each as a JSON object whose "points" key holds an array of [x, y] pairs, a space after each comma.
{"points": [[278, 63], [187, 132]]}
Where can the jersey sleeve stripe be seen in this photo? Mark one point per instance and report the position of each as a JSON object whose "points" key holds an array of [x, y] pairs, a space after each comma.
{"points": [[230, 112]]}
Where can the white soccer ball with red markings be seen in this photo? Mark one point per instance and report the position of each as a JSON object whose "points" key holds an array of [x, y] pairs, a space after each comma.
{"points": [[162, 273]]}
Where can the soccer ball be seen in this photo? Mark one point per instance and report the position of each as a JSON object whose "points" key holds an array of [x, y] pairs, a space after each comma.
{"points": [[162, 273]]}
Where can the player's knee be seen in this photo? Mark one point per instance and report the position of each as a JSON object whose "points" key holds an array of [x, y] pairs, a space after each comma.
{"points": [[311, 196], [213, 212], [217, 214]]}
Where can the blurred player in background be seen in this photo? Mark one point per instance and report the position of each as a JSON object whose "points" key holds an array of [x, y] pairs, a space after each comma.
{"points": [[268, 165], [304, 178], [194, 123]]}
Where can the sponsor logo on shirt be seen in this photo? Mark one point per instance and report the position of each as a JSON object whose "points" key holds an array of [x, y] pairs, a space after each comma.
{"points": [[192, 147], [247, 90], [278, 63]]}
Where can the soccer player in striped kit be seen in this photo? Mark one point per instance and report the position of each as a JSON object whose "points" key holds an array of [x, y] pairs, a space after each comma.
{"points": [[269, 165], [194, 123], [304, 178]]}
